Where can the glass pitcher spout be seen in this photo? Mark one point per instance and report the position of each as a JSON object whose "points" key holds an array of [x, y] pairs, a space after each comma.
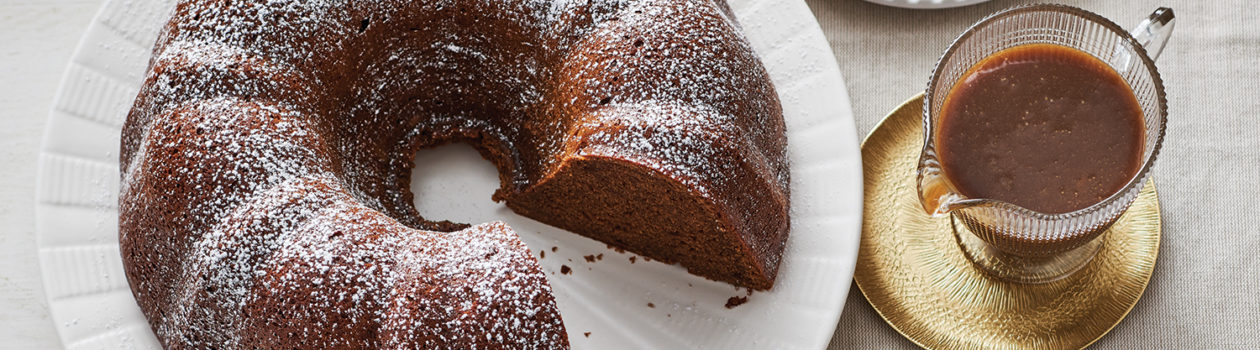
{"points": [[935, 193]]}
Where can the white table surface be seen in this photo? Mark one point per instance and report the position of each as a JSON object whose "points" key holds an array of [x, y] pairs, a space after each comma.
{"points": [[1203, 294], [36, 40]]}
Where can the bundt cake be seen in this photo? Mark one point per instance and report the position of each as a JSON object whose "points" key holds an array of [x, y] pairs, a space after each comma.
{"points": [[266, 163]]}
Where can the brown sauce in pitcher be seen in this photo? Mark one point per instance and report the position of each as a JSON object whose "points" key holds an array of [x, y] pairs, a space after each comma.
{"points": [[1042, 126]]}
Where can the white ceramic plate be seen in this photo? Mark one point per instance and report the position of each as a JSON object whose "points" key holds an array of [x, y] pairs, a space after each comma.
{"points": [[926, 4], [93, 308]]}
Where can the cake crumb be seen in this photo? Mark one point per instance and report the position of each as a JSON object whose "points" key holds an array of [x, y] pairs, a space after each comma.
{"points": [[542, 254], [647, 259], [587, 334], [652, 305], [553, 249], [589, 258], [600, 256], [735, 301], [632, 259], [566, 270]]}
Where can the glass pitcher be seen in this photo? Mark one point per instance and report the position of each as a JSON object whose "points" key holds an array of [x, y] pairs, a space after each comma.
{"points": [[1004, 239]]}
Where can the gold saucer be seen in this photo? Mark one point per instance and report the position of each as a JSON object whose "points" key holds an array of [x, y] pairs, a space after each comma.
{"points": [[914, 274]]}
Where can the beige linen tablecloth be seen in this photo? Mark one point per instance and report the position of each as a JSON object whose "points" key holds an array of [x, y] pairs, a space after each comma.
{"points": [[1205, 287], [1206, 284]]}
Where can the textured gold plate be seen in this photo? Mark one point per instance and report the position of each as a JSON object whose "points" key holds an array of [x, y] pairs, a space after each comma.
{"points": [[911, 270]]}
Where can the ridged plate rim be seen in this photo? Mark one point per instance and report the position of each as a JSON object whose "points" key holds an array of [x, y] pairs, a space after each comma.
{"points": [[926, 4]]}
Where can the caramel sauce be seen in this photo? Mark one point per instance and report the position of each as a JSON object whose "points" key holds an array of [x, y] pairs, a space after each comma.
{"points": [[1046, 127]]}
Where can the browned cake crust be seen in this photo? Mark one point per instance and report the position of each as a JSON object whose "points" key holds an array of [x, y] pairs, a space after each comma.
{"points": [[266, 163]]}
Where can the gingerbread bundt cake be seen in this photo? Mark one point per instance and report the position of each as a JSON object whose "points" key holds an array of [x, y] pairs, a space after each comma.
{"points": [[266, 163]]}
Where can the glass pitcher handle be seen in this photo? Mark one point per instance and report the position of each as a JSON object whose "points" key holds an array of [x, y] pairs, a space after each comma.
{"points": [[1154, 31]]}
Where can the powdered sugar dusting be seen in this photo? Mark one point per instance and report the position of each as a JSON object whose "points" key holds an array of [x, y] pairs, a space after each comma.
{"points": [[264, 198]]}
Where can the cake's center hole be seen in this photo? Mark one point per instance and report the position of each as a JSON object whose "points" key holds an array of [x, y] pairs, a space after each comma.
{"points": [[452, 182]]}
